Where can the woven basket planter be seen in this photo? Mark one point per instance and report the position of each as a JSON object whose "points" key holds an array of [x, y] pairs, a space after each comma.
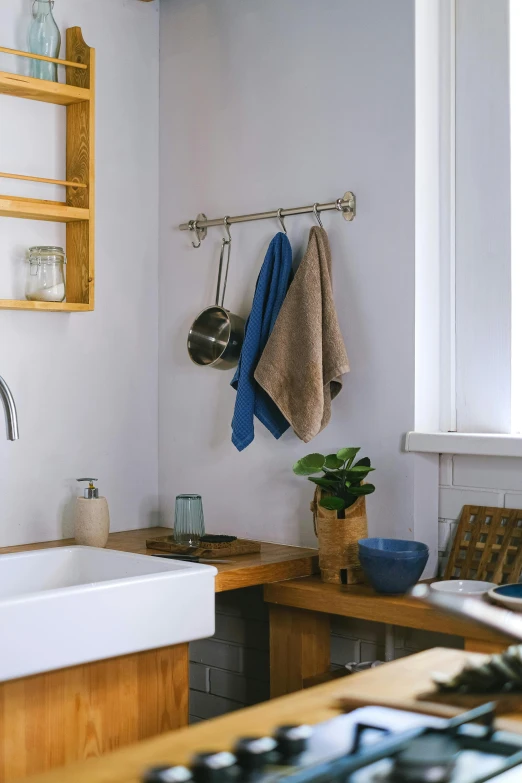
{"points": [[338, 533]]}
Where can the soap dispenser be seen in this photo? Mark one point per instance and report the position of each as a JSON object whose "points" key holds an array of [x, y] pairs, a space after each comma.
{"points": [[91, 519]]}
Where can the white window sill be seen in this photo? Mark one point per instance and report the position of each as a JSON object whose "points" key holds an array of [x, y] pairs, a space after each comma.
{"points": [[486, 445]]}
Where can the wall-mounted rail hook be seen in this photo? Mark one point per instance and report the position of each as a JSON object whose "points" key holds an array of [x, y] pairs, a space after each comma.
{"points": [[192, 224], [316, 213], [348, 209], [281, 219], [200, 231], [227, 227]]}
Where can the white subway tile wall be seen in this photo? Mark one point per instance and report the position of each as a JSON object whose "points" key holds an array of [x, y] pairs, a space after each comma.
{"points": [[446, 470], [487, 472], [451, 500], [468, 480], [484, 481]]}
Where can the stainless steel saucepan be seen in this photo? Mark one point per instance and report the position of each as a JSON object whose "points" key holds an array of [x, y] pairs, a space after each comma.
{"points": [[216, 336]]}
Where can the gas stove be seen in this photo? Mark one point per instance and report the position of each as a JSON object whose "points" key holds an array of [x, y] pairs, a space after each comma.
{"points": [[369, 745]]}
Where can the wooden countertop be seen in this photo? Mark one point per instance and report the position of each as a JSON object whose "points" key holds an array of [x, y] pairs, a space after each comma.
{"points": [[274, 563], [364, 603], [396, 683]]}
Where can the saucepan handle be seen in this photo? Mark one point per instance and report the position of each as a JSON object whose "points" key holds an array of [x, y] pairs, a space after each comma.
{"points": [[224, 243]]}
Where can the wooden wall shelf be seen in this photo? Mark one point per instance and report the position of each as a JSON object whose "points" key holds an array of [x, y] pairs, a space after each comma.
{"points": [[35, 209], [77, 211], [40, 90], [54, 307]]}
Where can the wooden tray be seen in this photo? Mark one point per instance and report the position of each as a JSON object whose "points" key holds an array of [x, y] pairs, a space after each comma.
{"points": [[241, 546], [487, 545]]}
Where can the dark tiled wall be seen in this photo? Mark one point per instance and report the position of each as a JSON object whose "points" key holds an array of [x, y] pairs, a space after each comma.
{"points": [[231, 670]]}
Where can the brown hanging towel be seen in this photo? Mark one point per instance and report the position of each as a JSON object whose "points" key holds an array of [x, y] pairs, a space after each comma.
{"points": [[305, 358]]}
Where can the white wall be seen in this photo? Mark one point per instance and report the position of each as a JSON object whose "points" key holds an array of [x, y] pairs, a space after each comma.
{"points": [[280, 104], [482, 481], [85, 384]]}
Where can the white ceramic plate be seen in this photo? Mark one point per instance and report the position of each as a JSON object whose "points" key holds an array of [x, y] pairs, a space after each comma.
{"points": [[467, 587]]}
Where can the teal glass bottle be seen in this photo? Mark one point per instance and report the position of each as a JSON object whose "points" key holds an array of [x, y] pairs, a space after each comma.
{"points": [[44, 38]]}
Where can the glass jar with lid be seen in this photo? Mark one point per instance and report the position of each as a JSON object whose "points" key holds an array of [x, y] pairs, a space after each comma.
{"points": [[46, 278]]}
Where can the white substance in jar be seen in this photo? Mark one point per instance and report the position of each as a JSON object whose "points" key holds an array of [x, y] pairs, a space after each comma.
{"points": [[55, 293]]}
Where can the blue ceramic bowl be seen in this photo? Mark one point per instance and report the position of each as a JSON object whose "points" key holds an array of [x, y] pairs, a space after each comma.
{"points": [[509, 596], [386, 547], [389, 570]]}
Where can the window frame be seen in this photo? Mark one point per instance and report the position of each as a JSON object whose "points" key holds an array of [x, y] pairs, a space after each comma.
{"points": [[474, 225]]}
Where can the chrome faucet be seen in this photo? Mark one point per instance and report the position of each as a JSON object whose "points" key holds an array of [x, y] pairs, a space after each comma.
{"points": [[11, 416]]}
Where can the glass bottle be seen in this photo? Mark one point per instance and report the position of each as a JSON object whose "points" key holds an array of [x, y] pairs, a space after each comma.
{"points": [[189, 524], [46, 279], [44, 38]]}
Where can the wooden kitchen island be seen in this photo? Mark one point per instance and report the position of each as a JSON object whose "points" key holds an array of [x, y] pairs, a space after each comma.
{"points": [[54, 718], [397, 684]]}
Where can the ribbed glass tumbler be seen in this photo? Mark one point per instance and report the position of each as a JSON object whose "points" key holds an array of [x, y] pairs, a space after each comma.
{"points": [[189, 524]]}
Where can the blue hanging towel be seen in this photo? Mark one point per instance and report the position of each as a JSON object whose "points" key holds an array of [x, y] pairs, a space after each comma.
{"points": [[271, 287]]}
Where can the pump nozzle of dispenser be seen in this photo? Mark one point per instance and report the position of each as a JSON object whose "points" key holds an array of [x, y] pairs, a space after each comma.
{"points": [[91, 491]]}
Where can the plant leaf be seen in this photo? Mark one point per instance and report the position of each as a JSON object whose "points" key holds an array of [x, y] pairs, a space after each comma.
{"points": [[332, 503], [301, 470], [355, 475], [323, 483], [338, 474], [313, 463], [364, 462], [332, 462], [347, 454], [365, 489]]}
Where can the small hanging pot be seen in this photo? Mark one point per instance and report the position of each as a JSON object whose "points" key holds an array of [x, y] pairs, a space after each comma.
{"points": [[216, 336]]}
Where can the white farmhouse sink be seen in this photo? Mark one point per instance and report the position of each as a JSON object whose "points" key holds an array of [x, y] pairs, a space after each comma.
{"points": [[71, 605]]}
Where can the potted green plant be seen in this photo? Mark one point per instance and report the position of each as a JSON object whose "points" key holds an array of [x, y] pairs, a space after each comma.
{"points": [[339, 509]]}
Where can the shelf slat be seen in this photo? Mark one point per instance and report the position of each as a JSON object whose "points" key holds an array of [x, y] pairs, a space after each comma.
{"points": [[45, 180], [32, 56], [57, 307], [36, 209], [42, 90]]}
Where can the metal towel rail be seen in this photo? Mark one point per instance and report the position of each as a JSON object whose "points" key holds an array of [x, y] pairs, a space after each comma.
{"points": [[346, 205]]}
